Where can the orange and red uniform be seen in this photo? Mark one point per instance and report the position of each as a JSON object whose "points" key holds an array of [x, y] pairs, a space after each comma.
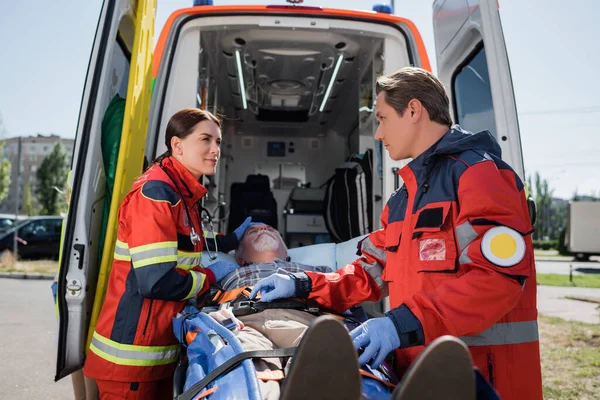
{"points": [[156, 269]]}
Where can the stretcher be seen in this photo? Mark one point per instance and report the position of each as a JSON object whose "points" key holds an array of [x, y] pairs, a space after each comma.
{"points": [[213, 365]]}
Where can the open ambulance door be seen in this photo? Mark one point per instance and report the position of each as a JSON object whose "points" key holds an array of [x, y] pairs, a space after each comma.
{"points": [[119, 66], [473, 65]]}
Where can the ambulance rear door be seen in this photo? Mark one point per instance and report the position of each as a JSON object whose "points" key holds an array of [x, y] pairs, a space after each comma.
{"points": [[473, 65], [119, 68]]}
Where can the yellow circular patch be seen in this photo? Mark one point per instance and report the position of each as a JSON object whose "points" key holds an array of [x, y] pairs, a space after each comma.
{"points": [[503, 246]]}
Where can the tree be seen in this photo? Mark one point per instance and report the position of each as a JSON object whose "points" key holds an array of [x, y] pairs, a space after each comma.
{"points": [[28, 206], [4, 166], [52, 177], [543, 202]]}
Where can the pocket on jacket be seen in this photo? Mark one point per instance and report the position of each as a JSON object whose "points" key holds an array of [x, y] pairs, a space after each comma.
{"points": [[433, 247]]}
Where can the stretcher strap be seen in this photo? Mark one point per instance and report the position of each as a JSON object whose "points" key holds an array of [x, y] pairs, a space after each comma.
{"points": [[370, 375], [232, 363]]}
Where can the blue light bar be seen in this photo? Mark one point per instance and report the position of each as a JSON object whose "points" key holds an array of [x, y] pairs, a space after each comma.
{"points": [[383, 8], [203, 3]]}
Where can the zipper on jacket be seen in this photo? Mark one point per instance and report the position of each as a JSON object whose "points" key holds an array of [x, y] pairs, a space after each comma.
{"points": [[148, 317], [490, 362]]}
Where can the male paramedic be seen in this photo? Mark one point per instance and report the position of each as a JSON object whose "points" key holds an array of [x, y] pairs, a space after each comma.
{"points": [[455, 247]]}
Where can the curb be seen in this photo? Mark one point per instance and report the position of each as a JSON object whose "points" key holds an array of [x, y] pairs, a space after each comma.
{"points": [[23, 275], [584, 298], [555, 259]]}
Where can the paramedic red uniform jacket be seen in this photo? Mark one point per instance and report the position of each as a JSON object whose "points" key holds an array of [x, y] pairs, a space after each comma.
{"points": [[155, 270], [456, 253]]}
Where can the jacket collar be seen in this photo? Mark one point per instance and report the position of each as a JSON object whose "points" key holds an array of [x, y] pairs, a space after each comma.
{"points": [[455, 141], [183, 180]]}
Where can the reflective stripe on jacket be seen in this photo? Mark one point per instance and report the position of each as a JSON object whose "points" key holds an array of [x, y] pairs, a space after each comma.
{"points": [[155, 270], [457, 258]]}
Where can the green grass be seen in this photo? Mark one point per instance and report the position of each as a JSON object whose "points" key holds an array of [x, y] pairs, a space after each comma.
{"points": [[589, 281], [547, 253], [570, 353]]}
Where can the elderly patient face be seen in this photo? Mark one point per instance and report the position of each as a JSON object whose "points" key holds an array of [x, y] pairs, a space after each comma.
{"points": [[260, 243]]}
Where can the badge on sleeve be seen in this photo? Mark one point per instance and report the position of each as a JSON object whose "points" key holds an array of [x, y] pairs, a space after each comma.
{"points": [[503, 246]]}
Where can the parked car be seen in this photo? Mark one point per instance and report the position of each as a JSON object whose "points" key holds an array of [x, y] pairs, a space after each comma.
{"points": [[37, 237], [8, 221]]}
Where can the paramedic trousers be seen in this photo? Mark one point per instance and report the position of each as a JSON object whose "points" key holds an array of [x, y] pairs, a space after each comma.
{"points": [[153, 390], [268, 330]]}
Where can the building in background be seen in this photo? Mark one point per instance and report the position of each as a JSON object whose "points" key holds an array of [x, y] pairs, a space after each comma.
{"points": [[33, 151]]}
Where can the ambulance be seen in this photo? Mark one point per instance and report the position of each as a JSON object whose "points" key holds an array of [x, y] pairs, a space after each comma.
{"points": [[296, 85]]}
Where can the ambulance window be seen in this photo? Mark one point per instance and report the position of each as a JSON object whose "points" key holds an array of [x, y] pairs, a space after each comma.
{"points": [[473, 105]]}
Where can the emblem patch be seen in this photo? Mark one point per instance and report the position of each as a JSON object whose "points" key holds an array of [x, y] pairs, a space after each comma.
{"points": [[503, 246]]}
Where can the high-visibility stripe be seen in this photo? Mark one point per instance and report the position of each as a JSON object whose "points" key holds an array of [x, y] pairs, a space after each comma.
{"points": [[197, 283], [190, 254], [155, 253], [368, 247], [505, 333], [117, 256], [373, 269], [465, 233], [121, 251], [127, 354], [152, 246], [185, 266], [155, 260], [464, 257], [187, 260], [122, 245]]}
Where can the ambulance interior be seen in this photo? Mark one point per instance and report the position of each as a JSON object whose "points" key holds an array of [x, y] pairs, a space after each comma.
{"points": [[296, 104]]}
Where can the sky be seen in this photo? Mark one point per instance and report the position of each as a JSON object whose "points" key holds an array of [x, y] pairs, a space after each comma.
{"points": [[552, 47]]}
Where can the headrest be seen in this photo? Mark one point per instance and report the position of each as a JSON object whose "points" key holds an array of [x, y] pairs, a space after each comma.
{"points": [[258, 183]]}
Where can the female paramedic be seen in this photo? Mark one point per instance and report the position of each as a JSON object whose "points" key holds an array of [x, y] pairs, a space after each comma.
{"points": [[156, 268], [455, 250]]}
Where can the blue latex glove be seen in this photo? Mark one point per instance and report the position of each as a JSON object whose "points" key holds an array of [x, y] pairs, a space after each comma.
{"points": [[240, 230], [276, 286], [222, 268], [378, 336], [53, 287]]}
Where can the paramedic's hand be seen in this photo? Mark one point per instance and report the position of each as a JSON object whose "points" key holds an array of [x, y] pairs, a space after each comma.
{"points": [[222, 269], [378, 336], [276, 286], [240, 230]]}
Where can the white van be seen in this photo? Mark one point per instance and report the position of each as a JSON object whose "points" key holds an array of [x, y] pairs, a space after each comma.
{"points": [[297, 87]]}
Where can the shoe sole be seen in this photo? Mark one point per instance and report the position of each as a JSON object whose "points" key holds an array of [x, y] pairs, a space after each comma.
{"points": [[444, 370], [325, 366]]}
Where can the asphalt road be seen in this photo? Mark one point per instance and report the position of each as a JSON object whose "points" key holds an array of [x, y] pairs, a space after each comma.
{"points": [[27, 342]]}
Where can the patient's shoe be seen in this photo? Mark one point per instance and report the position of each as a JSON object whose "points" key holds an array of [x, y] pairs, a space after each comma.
{"points": [[444, 370], [325, 365]]}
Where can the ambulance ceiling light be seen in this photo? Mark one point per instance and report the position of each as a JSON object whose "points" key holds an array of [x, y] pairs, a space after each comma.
{"points": [[238, 61], [331, 82], [203, 3]]}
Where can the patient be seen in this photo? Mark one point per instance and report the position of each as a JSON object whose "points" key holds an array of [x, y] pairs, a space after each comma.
{"points": [[261, 252]]}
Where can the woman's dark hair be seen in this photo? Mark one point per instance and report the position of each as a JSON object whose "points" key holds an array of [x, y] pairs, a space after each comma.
{"points": [[182, 124]]}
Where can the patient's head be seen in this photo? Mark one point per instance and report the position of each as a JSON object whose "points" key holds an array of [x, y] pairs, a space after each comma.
{"points": [[260, 243]]}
